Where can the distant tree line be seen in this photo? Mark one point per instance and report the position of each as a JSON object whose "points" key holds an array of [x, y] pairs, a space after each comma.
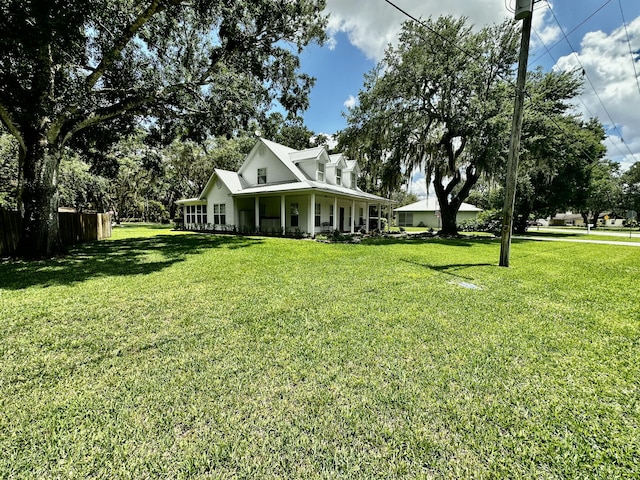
{"points": [[140, 178]]}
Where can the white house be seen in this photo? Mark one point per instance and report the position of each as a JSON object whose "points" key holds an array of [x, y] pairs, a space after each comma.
{"points": [[426, 213], [282, 190]]}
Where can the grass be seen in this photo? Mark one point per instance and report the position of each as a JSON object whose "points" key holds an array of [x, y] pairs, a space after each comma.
{"points": [[176, 355]]}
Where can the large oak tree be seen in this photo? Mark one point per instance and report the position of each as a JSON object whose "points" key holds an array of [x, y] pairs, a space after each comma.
{"points": [[68, 69], [437, 101]]}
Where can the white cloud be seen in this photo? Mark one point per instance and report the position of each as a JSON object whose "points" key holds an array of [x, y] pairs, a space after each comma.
{"points": [[350, 102], [418, 186], [609, 71], [371, 26], [545, 30]]}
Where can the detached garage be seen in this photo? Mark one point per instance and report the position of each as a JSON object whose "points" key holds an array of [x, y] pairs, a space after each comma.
{"points": [[427, 213]]}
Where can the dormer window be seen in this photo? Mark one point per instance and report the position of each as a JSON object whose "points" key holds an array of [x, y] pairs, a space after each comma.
{"points": [[320, 172], [353, 180], [262, 176], [338, 176]]}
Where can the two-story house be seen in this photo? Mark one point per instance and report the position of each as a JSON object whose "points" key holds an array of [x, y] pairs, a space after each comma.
{"points": [[282, 190]]}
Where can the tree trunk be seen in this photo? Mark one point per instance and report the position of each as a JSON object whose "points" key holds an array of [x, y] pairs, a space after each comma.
{"points": [[585, 217], [448, 212], [449, 226], [40, 232]]}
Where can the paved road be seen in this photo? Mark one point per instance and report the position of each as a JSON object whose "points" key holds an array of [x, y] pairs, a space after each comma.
{"points": [[581, 236], [596, 232], [578, 240]]}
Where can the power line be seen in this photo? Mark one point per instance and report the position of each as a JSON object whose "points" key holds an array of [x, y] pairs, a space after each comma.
{"points": [[633, 61], [470, 55], [580, 24], [585, 74], [591, 114]]}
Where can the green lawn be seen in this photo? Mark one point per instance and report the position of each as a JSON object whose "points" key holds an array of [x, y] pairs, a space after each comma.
{"points": [[159, 354]]}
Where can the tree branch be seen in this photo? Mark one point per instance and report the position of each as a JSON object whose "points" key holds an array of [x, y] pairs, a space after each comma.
{"points": [[8, 122], [155, 7], [129, 105]]}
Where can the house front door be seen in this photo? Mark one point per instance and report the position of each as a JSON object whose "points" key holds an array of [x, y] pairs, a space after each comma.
{"points": [[342, 219]]}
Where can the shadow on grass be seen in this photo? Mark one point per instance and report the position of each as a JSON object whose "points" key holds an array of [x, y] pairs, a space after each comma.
{"points": [[450, 269], [126, 257]]}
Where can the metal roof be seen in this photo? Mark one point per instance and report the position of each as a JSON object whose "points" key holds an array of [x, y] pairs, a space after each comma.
{"points": [[431, 205]]}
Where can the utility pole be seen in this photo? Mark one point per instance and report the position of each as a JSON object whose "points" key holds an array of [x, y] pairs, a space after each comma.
{"points": [[524, 11]]}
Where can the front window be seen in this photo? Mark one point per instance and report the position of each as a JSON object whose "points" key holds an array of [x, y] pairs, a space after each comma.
{"points": [[405, 219], [318, 214], [331, 216], [338, 176], [262, 175], [361, 217], [353, 180], [320, 172], [294, 214], [219, 214], [201, 214]]}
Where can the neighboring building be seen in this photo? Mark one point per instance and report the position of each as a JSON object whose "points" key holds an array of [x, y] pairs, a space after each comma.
{"points": [[567, 218], [426, 213], [282, 190], [575, 219]]}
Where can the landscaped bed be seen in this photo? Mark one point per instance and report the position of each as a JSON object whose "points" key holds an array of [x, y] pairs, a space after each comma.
{"points": [[173, 355]]}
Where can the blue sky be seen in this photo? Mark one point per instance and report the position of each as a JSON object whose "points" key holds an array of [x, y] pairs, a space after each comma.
{"points": [[360, 29]]}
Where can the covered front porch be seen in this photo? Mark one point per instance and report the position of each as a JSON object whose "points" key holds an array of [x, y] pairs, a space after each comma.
{"points": [[308, 213]]}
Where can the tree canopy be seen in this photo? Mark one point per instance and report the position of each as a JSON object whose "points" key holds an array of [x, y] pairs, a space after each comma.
{"points": [[630, 181], [558, 150], [436, 102], [73, 73]]}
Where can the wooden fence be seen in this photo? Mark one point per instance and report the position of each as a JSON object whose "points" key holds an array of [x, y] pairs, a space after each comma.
{"points": [[9, 232], [74, 228]]}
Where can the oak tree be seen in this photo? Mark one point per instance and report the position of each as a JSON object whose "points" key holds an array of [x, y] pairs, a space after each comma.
{"points": [[437, 102], [196, 67]]}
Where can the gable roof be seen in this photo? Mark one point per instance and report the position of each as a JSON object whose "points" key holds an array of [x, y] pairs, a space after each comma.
{"points": [[238, 186], [283, 154], [352, 164], [234, 182], [337, 161], [431, 205], [307, 154]]}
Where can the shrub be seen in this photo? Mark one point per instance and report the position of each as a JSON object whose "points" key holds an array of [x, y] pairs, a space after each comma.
{"points": [[488, 221]]}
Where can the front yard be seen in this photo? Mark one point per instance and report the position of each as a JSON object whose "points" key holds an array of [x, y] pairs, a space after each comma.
{"points": [[173, 355]]}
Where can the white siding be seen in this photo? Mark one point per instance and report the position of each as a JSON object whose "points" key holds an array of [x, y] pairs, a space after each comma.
{"points": [[309, 168], [277, 172], [430, 220], [220, 194]]}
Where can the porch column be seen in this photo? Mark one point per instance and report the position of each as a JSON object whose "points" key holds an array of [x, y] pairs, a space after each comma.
{"points": [[283, 214], [236, 214], [257, 212], [335, 213], [311, 220], [379, 216], [366, 217], [353, 216]]}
